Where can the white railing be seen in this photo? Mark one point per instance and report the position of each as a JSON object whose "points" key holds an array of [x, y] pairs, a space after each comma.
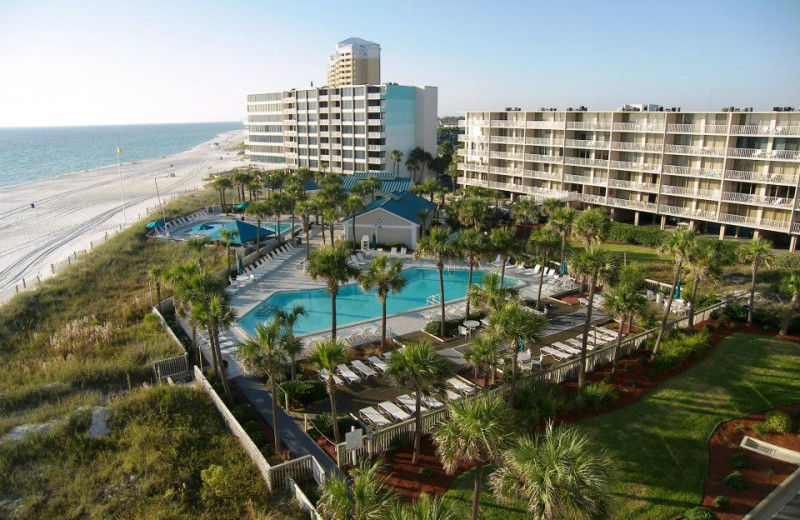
{"points": [[695, 150], [508, 124], [692, 172], [796, 227], [638, 204], [543, 141], [173, 366], [635, 166], [543, 158], [631, 185], [749, 153], [697, 129], [762, 200], [473, 167], [791, 155], [580, 161], [538, 174], [737, 219], [506, 155], [761, 177], [642, 147], [473, 122], [778, 225], [551, 125], [502, 139], [505, 171], [595, 199], [580, 125], [638, 127], [579, 143], [580, 179], [764, 130]]}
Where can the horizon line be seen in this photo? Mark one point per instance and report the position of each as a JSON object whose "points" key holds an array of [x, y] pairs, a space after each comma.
{"points": [[3, 127]]}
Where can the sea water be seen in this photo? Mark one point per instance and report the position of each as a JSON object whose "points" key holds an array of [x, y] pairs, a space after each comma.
{"points": [[29, 154]]}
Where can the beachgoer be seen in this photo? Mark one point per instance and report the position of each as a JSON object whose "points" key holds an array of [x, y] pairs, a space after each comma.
{"points": [[32, 205]]}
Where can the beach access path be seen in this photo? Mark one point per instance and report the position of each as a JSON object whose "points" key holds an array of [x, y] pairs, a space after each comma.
{"points": [[73, 210]]}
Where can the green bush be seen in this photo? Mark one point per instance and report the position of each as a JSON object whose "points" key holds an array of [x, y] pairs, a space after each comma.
{"points": [[734, 311], [707, 329], [324, 423], [643, 236], [700, 513], [760, 429], [722, 502], [259, 438], [678, 348], [735, 481], [244, 412], [540, 401], [741, 461], [302, 391], [251, 426], [434, 328], [650, 372], [778, 422], [426, 472], [608, 379], [643, 360], [635, 383], [594, 397], [629, 368]]}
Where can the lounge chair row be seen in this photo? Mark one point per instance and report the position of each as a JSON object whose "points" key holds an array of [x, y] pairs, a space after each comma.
{"points": [[572, 347], [186, 219], [266, 264]]}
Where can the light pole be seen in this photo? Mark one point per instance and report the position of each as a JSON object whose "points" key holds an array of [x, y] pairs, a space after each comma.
{"points": [[163, 216]]}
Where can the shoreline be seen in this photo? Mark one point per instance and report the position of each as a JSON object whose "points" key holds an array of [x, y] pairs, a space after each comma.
{"points": [[74, 209]]}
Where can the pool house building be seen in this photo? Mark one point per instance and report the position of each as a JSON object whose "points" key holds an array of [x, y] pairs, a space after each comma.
{"points": [[393, 219]]}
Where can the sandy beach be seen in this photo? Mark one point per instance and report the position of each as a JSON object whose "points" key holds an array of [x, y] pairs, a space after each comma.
{"points": [[75, 209]]}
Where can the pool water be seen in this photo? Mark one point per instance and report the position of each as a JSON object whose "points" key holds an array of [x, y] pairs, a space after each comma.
{"points": [[354, 305]]}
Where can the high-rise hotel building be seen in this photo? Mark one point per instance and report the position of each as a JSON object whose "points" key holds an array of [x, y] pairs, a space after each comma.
{"points": [[723, 171], [356, 62]]}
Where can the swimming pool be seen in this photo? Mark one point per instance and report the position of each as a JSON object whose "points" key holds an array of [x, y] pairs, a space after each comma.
{"points": [[354, 305]]}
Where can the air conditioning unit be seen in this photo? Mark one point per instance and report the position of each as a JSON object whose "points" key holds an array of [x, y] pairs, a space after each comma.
{"points": [[777, 109]]}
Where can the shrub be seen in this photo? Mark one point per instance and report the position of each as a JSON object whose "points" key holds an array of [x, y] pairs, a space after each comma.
{"points": [[735, 481], [797, 415], [733, 325], [635, 383], [677, 349], [538, 402], [324, 423], [259, 438], [700, 513], [760, 429], [251, 426], [734, 311], [608, 379], [741, 461], [707, 329], [244, 412], [594, 397], [302, 391], [434, 328], [643, 360], [426, 472], [722, 502], [643, 236], [741, 427], [650, 372], [629, 368], [778, 422]]}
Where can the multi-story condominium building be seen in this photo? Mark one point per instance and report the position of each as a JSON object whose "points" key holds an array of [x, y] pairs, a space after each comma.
{"points": [[356, 62], [722, 171], [342, 130]]}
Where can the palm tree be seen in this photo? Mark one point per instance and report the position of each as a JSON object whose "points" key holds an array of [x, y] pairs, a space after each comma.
{"points": [[197, 245], [396, 156], [191, 288], [332, 264], [623, 302], [385, 277], [351, 207], [472, 246], [240, 178], [330, 214], [305, 208], [482, 354], [422, 218], [157, 274], [474, 212], [524, 210], [517, 325], [265, 356], [491, 294], [368, 498], [598, 266], [438, 245], [216, 314], [477, 432], [420, 368], [560, 222], [558, 473], [372, 184], [280, 202], [421, 159], [326, 355], [591, 226], [678, 244], [452, 172], [296, 193], [549, 206], [503, 241], [790, 284], [424, 508], [543, 244], [413, 167], [222, 184], [756, 252], [702, 263], [287, 319], [226, 237], [260, 210]]}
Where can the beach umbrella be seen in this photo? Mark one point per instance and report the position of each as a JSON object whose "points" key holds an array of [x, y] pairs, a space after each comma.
{"points": [[240, 264], [242, 205], [374, 241], [155, 224], [677, 294], [201, 227], [564, 267]]}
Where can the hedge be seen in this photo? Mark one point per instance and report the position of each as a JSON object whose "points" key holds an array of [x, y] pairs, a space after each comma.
{"points": [[643, 236]]}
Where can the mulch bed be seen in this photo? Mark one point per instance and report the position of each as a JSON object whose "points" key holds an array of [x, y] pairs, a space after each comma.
{"points": [[764, 474]]}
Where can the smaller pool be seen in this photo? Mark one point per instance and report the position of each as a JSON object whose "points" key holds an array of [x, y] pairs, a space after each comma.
{"points": [[354, 305]]}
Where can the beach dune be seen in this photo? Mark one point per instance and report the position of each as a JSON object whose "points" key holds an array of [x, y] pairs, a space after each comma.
{"points": [[75, 209]]}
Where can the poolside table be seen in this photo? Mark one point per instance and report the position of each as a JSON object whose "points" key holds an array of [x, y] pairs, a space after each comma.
{"points": [[472, 325]]}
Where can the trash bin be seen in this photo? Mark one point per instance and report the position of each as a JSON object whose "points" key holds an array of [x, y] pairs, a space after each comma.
{"points": [[659, 297], [298, 241]]}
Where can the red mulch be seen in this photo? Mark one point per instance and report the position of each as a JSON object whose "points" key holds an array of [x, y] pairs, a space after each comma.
{"points": [[407, 482], [764, 474]]}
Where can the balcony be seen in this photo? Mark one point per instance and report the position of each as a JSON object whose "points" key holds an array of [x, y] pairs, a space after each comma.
{"points": [[580, 125], [374, 95], [772, 178], [685, 191], [374, 110], [760, 153], [636, 127], [777, 225], [796, 227], [760, 200], [578, 143], [687, 212], [502, 139], [695, 150], [635, 166], [633, 186], [507, 124], [473, 122], [543, 141], [637, 147], [552, 159], [635, 204], [549, 125], [473, 167], [501, 170], [506, 155], [727, 218], [594, 199], [580, 161], [585, 179], [537, 174], [376, 148], [375, 160], [473, 138], [692, 172], [764, 130], [375, 135], [697, 129]]}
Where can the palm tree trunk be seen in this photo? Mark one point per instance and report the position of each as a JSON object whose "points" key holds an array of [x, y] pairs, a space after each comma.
{"points": [[333, 314], [486, 377], [563, 249], [417, 428], [332, 395], [331, 224], [214, 360], [619, 345], [585, 341], [292, 226], [663, 326], [440, 267], [158, 295], [197, 346], [514, 370], [354, 229], [695, 282], [308, 243], [752, 294], [476, 490], [228, 258], [469, 283], [292, 368], [541, 281], [276, 429], [222, 369], [383, 325], [278, 228], [504, 258], [258, 234], [788, 317]]}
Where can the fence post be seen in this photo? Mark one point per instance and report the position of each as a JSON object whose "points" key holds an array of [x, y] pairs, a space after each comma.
{"points": [[16, 286], [23, 284], [52, 269]]}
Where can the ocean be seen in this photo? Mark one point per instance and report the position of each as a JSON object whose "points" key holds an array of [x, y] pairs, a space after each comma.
{"points": [[29, 154]]}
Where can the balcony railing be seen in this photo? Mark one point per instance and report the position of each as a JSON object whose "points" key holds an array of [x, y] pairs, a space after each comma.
{"points": [[501, 139], [692, 172], [473, 122], [543, 158], [585, 179], [761, 200], [796, 227], [773, 178], [637, 127], [764, 130], [473, 138], [695, 150], [508, 124], [778, 225], [505, 171], [759, 153], [537, 174], [550, 125], [697, 129], [580, 161], [687, 212], [543, 141], [506, 155], [685, 191], [635, 166], [737, 219], [636, 204], [594, 199], [578, 143], [580, 125], [637, 147], [633, 186], [473, 167]]}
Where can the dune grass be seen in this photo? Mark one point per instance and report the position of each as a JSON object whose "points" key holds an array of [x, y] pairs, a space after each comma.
{"points": [[661, 442]]}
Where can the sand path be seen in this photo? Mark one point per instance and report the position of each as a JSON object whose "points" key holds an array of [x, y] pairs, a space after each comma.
{"points": [[78, 208]]}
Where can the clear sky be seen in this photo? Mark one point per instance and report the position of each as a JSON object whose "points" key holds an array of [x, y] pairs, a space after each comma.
{"points": [[114, 62]]}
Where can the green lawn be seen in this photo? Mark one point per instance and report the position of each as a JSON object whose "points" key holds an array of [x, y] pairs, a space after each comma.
{"points": [[659, 267], [660, 443]]}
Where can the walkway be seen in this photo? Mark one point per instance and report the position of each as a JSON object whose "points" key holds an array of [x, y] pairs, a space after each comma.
{"points": [[293, 437], [572, 321]]}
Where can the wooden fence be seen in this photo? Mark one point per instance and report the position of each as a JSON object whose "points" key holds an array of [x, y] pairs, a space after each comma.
{"points": [[381, 440]]}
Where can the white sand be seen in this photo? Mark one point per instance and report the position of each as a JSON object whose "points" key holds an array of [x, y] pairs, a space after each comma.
{"points": [[76, 209]]}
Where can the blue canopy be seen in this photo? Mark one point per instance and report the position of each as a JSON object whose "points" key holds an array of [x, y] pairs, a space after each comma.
{"points": [[155, 224], [201, 228], [242, 205], [245, 232], [677, 294]]}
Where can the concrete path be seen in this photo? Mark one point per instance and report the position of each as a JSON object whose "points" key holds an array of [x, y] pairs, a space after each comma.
{"points": [[572, 321], [293, 437]]}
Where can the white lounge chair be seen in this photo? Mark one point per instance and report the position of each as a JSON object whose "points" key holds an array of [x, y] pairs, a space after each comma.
{"points": [[461, 386], [555, 353], [393, 252], [452, 396], [361, 367], [374, 417], [348, 374], [410, 403], [403, 252], [394, 411], [566, 348], [323, 375], [429, 401], [379, 364]]}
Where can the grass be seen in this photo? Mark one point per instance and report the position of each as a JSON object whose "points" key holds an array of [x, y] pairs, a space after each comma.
{"points": [[661, 442], [659, 267]]}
